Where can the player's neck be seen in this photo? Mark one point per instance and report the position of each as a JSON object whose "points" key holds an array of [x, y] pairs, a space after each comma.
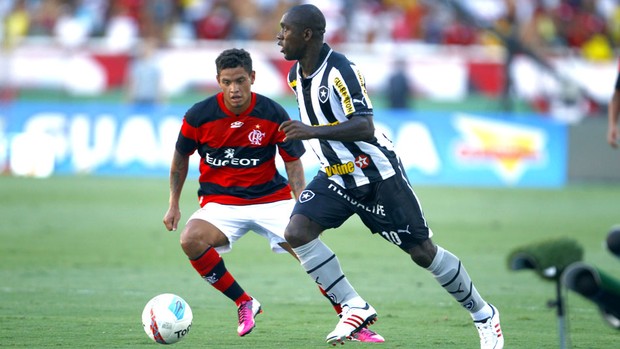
{"points": [[310, 62]]}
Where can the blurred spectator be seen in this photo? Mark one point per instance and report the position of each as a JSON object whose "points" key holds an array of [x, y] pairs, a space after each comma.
{"points": [[45, 14], [122, 31], [143, 82], [71, 30], [217, 24], [156, 17], [588, 27], [16, 24], [398, 91]]}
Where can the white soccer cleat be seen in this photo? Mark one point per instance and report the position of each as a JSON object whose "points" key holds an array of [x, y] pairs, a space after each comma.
{"points": [[353, 320], [490, 331]]}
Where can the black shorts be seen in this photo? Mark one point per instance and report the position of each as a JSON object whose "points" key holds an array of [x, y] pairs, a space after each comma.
{"points": [[389, 207]]}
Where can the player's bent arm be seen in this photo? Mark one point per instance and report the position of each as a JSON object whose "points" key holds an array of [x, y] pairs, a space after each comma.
{"points": [[178, 173], [296, 178], [357, 128]]}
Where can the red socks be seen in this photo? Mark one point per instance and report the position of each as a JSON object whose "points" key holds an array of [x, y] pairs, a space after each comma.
{"points": [[210, 266]]}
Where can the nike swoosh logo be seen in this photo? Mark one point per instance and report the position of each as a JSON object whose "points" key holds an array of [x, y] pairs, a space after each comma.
{"points": [[364, 308]]}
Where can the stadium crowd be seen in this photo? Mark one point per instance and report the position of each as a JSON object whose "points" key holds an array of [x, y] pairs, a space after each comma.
{"points": [[591, 27]]}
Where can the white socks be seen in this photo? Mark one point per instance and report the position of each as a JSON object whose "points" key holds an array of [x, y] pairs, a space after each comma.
{"points": [[453, 277], [324, 268]]}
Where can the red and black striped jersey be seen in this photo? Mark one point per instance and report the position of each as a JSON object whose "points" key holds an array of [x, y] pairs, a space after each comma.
{"points": [[237, 152]]}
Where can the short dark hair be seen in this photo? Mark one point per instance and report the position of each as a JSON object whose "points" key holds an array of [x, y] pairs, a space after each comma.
{"points": [[233, 58], [308, 16]]}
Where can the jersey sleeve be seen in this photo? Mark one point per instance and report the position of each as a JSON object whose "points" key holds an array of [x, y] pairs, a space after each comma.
{"points": [[349, 85], [290, 150], [187, 142]]}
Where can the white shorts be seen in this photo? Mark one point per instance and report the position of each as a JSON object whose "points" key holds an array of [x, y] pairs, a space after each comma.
{"points": [[267, 220]]}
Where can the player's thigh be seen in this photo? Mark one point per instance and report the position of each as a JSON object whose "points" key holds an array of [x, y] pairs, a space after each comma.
{"points": [[231, 222], [396, 214], [202, 231], [273, 217], [324, 203], [270, 220]]}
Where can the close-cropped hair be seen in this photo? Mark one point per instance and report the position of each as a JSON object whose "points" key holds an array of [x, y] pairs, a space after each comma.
{"points": [[233, 58]]}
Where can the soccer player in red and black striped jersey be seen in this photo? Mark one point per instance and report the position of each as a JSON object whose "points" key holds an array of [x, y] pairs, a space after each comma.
{"points": [[236, 134], [360, 175], [613, 113]]}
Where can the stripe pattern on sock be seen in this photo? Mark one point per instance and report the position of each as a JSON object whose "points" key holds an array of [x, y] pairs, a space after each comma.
{"points": [[211, 267], [452, 276], [324, 268]]}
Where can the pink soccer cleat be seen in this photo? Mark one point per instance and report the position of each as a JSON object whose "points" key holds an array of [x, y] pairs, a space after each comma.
{"points": [[247, 311], [367, 336]]}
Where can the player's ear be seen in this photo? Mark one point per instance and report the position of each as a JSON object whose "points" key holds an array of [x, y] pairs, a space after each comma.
{"points": [[252, 77], [308, 34]]}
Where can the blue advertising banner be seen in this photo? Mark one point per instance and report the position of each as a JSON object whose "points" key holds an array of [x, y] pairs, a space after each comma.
{"points": [[437, 148], [453, 148]]}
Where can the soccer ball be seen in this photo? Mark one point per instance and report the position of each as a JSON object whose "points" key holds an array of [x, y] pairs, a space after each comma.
{"points": [[167, 318]]}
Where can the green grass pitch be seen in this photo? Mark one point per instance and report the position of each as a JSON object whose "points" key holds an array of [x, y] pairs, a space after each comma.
{"points": [[80, 256]]}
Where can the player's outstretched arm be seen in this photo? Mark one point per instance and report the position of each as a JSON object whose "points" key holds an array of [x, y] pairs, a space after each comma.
{"points": [[178, 174]]}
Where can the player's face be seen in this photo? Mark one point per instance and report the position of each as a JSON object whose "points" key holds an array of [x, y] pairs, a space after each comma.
{"points": [[236, 84], [290, 38]]}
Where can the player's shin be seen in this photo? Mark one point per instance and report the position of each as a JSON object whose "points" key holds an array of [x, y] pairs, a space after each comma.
{"points": [[452, 276], [323, 266], [211, 267]]}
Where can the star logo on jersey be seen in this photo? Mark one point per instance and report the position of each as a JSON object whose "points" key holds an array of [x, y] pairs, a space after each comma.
{"points": [[361, 161], [323, 94], [256, 136], [306, 196], [229, 153], [236, 124]]}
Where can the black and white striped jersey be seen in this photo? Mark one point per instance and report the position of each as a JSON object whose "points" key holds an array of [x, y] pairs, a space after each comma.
{"points": [[334, 93]]}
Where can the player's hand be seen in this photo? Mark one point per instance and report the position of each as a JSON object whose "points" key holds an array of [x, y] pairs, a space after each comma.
{"points": [[612, 137], [294, 129], [172, 218]]}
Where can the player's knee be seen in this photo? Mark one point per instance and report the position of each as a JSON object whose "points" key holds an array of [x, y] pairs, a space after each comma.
{"points": [[293, 236], [423, 254], [190, 243], [299, 231]]}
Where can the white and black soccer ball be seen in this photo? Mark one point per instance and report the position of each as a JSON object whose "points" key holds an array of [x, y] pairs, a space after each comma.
{"points": [[167, 318]]}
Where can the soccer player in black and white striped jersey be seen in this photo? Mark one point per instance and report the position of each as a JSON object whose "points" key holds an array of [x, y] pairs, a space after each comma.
{"points": [[361, 174]]}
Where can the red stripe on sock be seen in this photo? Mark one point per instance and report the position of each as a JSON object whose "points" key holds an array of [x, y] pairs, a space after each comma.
{"points": [[224, 282], [205, 263], [337, 307], [243, 298]]}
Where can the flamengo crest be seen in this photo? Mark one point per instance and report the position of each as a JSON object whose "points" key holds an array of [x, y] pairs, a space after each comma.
{"points": [[256, 137]]}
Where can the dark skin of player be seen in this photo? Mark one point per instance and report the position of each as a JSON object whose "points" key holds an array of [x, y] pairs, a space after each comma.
{"points": [[302, 43]]}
